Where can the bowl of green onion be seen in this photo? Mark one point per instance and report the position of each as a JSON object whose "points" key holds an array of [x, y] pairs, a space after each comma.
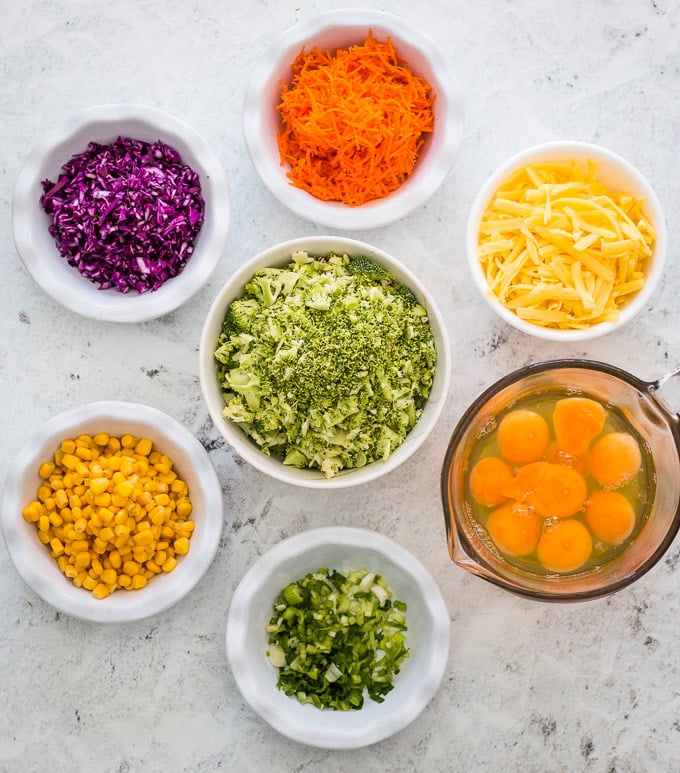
{"points": [[338, 637]]}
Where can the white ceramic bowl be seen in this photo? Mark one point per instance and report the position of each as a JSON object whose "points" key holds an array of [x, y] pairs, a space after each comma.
{"points": [[427, 636], [619, 175], [330, 31], [38, 250], [279, 255], [32, 559]]}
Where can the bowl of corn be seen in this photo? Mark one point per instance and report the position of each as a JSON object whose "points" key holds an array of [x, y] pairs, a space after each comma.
{"points": [[112, 511], [566, 241]]}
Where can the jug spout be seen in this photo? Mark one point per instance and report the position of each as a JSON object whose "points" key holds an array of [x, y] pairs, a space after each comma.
{"points": [[464, 561]]}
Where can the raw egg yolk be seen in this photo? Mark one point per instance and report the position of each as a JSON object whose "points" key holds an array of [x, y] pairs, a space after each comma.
{"points": [[577, 421], [557, 455], [513, 529], [615, 459], [523, 436], [487, 478], [564, 546], [552, 490], [610, 516]]}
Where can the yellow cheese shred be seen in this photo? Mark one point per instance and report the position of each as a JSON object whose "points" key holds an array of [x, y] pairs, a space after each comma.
{"points": [[562, 250]]}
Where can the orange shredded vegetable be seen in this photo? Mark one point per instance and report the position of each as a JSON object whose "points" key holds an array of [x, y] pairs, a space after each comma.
{"points": [[353, 122]]}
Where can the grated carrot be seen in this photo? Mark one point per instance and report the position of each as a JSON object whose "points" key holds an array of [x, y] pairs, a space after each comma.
{"points": [[353, 122]]}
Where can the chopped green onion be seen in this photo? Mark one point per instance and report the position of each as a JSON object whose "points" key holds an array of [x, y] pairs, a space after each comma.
{"points": [[336, 636]]}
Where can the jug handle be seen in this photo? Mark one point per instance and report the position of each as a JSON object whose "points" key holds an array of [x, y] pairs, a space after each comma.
{"points": [[666, 391]]}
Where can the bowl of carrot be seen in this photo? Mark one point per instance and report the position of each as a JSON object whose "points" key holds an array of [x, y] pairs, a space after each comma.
{"points": [[353, 118]]}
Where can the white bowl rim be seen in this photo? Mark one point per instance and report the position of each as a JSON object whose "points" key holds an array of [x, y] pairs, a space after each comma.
{"points": [[245, 447], [248, 592], [581, 149], [122, 606], [111, 305], [399, 203]]}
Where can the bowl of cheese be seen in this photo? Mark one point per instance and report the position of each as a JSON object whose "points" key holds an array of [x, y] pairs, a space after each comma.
{"points": [[566, 241]]}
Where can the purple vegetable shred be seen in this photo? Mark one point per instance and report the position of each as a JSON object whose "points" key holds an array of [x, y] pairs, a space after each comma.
{"points": [[126, 215]]}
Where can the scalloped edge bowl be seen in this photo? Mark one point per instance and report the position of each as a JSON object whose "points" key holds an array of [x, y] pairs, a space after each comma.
{"points": [[338, 29], [278, 255], [32, 559], [428, 633], [617, 173], [38, 251]]}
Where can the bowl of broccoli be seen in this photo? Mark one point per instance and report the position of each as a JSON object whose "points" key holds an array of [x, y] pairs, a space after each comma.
{"points": [[324, 362]]}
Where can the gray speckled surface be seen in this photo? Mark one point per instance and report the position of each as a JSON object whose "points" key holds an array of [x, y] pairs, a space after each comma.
{"points": [[529, 687]]}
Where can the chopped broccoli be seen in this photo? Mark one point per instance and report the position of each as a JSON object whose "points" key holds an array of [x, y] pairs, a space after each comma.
{"points": [[326, 363]]}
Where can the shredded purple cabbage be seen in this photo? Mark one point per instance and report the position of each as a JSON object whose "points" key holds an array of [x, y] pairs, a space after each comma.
{"points": [[126, 215]]}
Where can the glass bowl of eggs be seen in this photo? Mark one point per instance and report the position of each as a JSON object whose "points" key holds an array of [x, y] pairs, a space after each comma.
{"points": [[561, 482]]}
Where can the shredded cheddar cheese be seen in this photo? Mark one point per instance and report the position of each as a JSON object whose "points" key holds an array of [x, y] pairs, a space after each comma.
{"points": [[562, 250]]}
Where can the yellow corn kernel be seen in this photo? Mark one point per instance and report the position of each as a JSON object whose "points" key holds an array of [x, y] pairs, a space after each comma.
{"points": [[98, 485], [89, 583], [62, 562], [106, 534], [80, 578], [138, 582], [144, 537], [184, 508], [80, 525], [144, 446], [124, 488], [61, 498], [71, 571], [131, 568], [96, 566], [101, 438], [46, 469], [115, 559], [57, 546], [169, 564], [181, 546], [158, 515], [82, 452], [43, 523], [99, 546], [80, 545], [44, 537], [153, 566], [109, 576], [179, 487], [67, 447], [100, 591], [83, 559], [32, 511], [124, 581], [70, 461], [103, 500], [56, 519]]}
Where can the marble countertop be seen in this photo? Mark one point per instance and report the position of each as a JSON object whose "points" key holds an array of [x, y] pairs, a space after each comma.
{"points": [[529, 686]]}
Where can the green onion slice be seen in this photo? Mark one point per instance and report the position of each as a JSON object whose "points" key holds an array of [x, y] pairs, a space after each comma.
{"points": [[335, 636]]}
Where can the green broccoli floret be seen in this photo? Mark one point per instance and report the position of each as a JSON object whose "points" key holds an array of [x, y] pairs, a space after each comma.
{"points": [[326, 363], [365, 268]]}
